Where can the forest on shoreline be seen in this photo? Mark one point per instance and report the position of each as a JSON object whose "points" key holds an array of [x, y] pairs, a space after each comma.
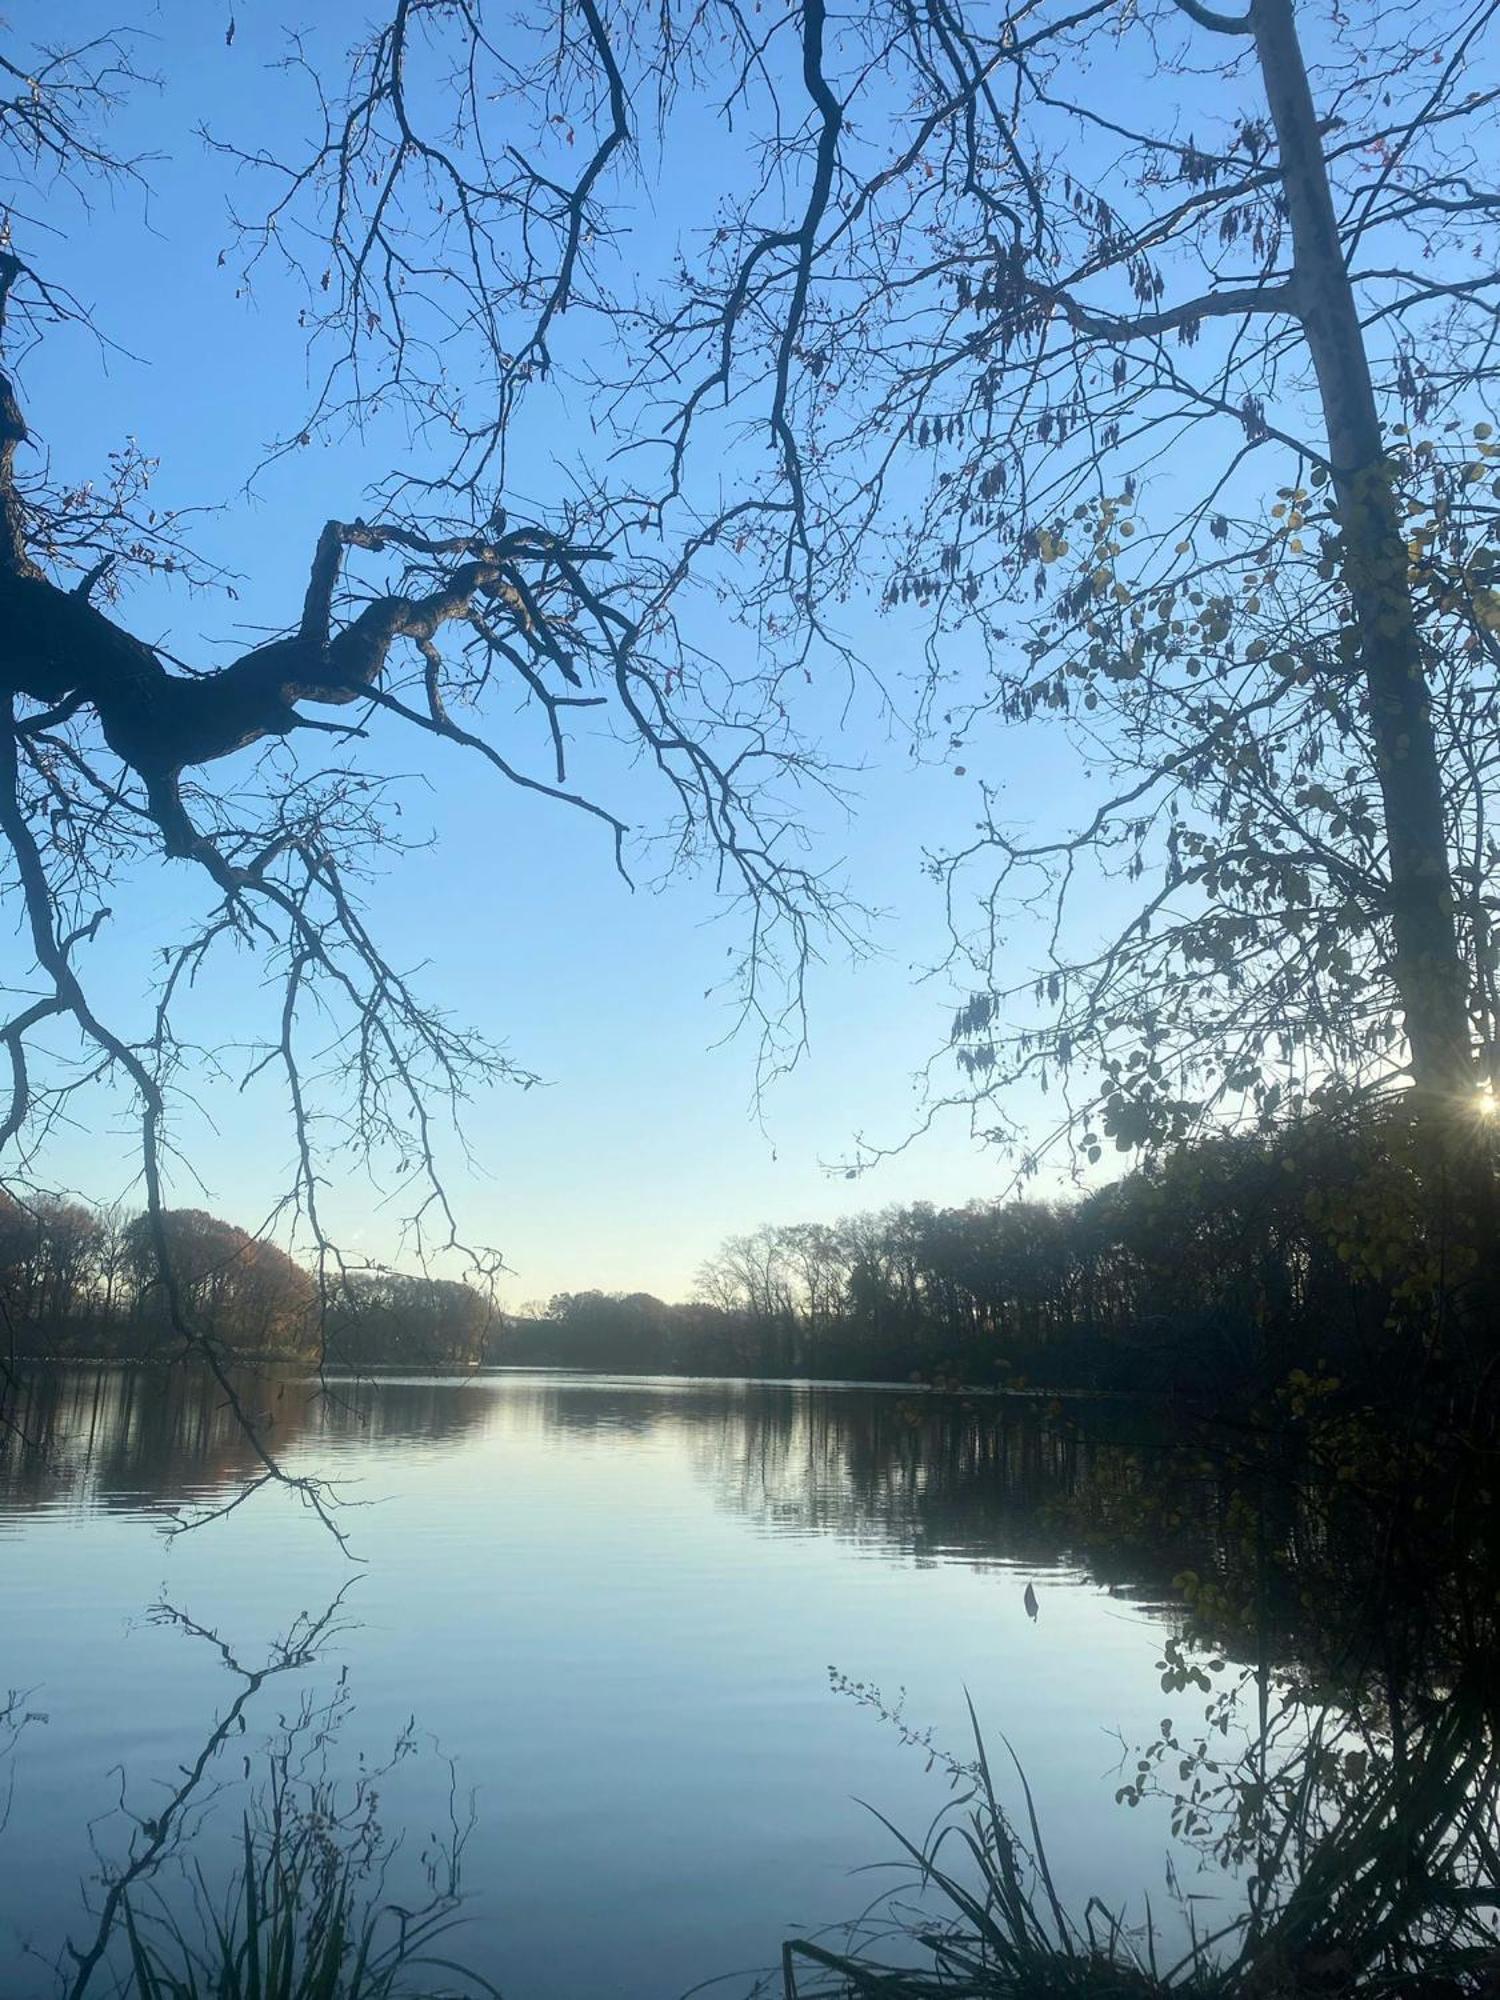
{"points": [[1218, 1270]]}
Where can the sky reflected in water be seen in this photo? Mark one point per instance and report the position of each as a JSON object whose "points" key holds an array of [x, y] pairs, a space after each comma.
{"points": [[614, 1604]]}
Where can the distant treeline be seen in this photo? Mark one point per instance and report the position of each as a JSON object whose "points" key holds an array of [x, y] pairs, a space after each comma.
{"points": [[1232, 1261], [78, 1281]]}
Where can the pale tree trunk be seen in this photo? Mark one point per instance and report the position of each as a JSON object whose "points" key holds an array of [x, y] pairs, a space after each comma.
{"points": [[1428, 968]]}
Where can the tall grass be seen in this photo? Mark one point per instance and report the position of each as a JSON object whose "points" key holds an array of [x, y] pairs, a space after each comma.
{"points": [[298, 1904], [300, 1920], [1393, 1892]]}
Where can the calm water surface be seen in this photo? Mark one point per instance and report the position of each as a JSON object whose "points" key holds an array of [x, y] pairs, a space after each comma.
{"points": [[614, 1605]]}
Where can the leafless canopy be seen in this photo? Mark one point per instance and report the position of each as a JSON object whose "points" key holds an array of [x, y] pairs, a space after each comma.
{"points": [[437, 256]]}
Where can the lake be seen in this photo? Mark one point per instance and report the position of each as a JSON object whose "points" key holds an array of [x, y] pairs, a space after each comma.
{"points": [[606, 1610]]}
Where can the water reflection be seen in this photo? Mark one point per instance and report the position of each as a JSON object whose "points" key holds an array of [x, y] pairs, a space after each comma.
{"points": [[617, 1600], [928, 1476], [614, 1602], [1130, 1495], [932, 1474], [120, 1438], [1276, 1542]]}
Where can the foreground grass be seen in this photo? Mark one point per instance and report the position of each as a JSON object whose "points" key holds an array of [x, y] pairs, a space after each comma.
{"points": [[300, 1920], [1383, 1888], [1390, 1891]]}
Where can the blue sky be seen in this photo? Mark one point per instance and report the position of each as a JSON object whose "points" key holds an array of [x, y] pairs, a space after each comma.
{"points": [[642, 1150]]}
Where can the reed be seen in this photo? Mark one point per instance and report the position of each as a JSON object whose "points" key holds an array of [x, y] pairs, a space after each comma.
{"points": [[301, 1919], [1393, 1892]]}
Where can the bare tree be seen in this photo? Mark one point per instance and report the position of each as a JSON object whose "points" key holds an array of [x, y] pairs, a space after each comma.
{"points": [[437, 261]]}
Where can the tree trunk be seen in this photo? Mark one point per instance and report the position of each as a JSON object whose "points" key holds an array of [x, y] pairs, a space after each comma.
{"points": [[1429, 971]]}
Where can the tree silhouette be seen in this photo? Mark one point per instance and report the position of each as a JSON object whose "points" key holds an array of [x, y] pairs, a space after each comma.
{"points": [[423, 621], [1146, 351]]}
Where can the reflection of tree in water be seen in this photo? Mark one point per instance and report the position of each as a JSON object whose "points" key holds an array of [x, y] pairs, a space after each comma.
{"points": [[115, 1437], [931, 1475], [1357, 1715], [926, 1474], [1363, 1698], [923, 1474], [1275, 1549], [1345, 1770], [261, 1868], [1133, 1495], [1300, 1539]]}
